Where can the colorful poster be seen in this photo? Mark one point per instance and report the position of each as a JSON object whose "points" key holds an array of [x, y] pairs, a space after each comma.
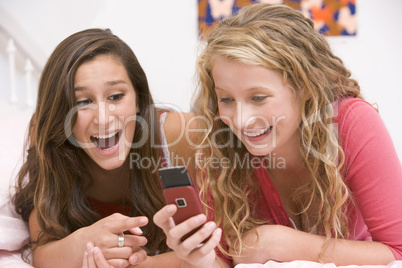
{"points": [[331, 17]]}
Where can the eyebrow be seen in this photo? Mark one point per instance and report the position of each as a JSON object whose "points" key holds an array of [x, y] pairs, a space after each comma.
{"points": [[107, 84], [248, 89]]}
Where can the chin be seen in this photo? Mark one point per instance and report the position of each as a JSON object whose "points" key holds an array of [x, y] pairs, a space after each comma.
{"points": [[259, 152]]}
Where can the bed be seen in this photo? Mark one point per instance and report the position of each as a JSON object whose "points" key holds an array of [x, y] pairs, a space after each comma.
{"points": [[14, 231]]}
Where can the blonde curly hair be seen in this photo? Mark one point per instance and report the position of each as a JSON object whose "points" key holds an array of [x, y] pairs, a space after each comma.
{"points": [[282, 39]]}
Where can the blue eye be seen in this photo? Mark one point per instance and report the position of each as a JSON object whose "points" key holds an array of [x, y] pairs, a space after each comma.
{"points": [[259, 98], [83, 103], [116, 97], [226, 100]]}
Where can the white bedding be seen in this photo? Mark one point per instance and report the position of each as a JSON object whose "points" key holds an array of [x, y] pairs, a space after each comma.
{"points": [[309, 264], [14, 231]]}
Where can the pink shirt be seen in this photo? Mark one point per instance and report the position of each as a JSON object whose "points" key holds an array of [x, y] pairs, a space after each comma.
{"points": [[373, 175]]}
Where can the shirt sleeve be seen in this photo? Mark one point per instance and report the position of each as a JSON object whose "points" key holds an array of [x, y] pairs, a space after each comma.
{"points": [[373, 172]]}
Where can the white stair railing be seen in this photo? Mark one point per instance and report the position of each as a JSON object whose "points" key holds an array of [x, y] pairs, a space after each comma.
{"points": [[11, 49], [29, 69], [29, 72], [25, 61]]}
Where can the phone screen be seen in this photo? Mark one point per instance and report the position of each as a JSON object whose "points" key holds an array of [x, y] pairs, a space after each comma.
{"points": [[174, 177]]}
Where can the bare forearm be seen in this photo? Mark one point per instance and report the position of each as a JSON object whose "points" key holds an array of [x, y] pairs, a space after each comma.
{"points": [[285, 244], [348, 252], [219, 263], [168, 259], [67, 252], [171, 260]]}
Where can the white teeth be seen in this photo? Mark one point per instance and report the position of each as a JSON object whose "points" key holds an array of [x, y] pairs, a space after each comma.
{"points": [[105, 136], [257, 133]]}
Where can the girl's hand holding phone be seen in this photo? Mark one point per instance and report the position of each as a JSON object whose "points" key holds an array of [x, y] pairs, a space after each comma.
{"points": [[191, 250]]}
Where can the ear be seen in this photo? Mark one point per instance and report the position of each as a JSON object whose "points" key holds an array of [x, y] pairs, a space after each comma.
{"points": [[138, 109], [305, 94]]}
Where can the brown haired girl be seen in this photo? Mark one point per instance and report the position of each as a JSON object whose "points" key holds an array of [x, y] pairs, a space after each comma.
{"points": [[81, 185]]}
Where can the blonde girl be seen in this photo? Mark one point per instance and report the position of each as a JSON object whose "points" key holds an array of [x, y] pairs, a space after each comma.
{"points": [[307, 168]]}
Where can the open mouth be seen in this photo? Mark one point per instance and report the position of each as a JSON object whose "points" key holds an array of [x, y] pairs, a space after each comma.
{"points": [[106, 142], [257, 133]]}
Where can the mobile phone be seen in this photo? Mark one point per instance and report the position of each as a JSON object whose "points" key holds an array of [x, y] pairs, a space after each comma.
{"points": [[178, 189]]}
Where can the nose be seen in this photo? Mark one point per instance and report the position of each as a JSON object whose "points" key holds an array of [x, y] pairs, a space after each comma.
{"points": [[102, 115], [244, 117]]}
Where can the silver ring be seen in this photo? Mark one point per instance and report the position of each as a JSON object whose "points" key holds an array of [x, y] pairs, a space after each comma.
{"points": [[120, 242]]}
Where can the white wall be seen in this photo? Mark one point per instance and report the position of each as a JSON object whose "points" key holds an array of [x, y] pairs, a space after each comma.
{"points": [[163, 34], [375, 58]]}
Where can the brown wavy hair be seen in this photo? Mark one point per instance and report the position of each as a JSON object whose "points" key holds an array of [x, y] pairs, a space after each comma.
{"points": [[54, 178], [279, 38]]}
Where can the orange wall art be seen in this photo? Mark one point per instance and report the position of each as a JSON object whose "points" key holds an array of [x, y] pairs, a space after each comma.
{"points": [[331, 17]]}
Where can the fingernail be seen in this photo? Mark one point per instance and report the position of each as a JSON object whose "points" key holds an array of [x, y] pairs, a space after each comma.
{"points": [[170, 208], [143, 220], [200, 218], [89, 245], [133, 259], [138, 230], [146, 240], [96, 250], [210, 226], [219, 231]]}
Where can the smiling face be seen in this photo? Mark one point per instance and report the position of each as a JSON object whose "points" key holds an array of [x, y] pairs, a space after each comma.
{"points": [[259, 108], [107, 108]]}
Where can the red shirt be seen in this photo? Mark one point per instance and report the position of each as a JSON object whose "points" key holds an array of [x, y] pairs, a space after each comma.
{"points": [[373, 175], [106, 209]]}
